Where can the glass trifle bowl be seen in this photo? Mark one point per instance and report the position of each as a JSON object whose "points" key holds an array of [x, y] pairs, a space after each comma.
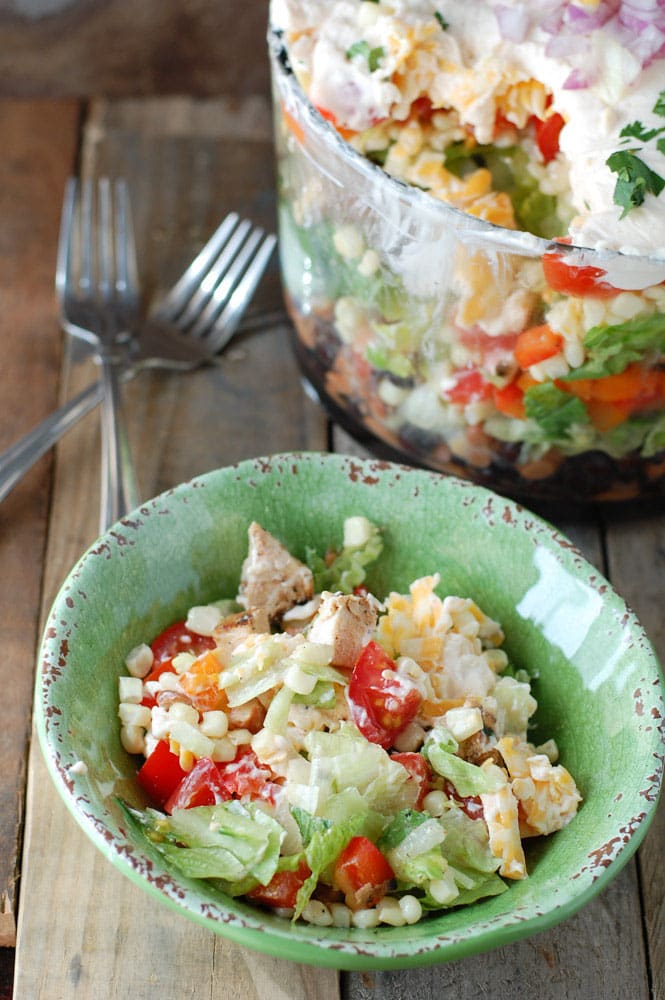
{"points": [[470, 333]]}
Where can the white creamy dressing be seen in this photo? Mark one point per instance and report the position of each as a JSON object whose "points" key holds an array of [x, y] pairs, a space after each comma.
{"points": [[465, 66]]}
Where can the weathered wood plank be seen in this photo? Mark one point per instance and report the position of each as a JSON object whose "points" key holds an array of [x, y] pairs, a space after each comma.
{"points": [[117, 48], [116, 940], [636, 556], [39, 147]]}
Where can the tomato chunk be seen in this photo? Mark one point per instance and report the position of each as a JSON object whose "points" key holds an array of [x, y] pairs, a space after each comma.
{"points": [[161, 773], [547, 135], [382, 703], [362, 873], [419, 771], [469, 387], [202, 786], [585, 281], [175, 639], [282, 889]]}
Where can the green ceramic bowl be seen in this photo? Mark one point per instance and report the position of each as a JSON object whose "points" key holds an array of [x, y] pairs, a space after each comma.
{"points": [[599, 688]]}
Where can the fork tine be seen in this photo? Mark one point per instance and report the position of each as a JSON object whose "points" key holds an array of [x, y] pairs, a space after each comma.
{"points": [[222, 291], [63, 262], [126, 270], [105, 253], [177, 298], [226, 325], [86, 275], [219, 269]]}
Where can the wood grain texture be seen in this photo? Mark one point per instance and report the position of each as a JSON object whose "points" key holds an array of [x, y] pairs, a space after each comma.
{"points": [[636, 549], [117, 48], [38, 151], [70, 944]]}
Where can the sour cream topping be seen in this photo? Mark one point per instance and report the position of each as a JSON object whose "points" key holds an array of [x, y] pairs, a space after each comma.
{"points": [[591, 56]]}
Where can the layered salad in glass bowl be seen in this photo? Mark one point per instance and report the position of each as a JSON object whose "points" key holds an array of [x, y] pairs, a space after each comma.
{"points": [[472, 229]]}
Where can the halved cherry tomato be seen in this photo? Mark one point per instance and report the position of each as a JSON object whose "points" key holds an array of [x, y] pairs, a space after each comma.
{"points": [[547, 135], [282, 889], [247, 776], [210, 782], [175, 639], [585, 280], [202, 786], [419, 771], [362, 873], [469, 387], [161, 773], [537, 344], [382, 704], [471, 804]]}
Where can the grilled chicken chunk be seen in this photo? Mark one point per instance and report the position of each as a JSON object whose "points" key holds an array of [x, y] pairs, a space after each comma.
{"points": [[271, 577]]}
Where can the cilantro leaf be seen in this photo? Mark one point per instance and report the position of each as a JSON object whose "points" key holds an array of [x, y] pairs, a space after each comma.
{"points": [[636, 130], [659, 106], [441, 19], [373, 56], [634, 179], [554, 410]]}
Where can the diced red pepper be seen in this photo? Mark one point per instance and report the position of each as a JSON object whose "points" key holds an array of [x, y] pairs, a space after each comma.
{"points": [[537, 344], [161, 773]]}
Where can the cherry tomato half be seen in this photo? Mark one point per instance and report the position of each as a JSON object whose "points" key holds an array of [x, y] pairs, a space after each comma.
{"points": [[382, 703]]}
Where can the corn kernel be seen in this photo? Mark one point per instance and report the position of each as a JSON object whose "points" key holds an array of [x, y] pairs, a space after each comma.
{"points": [[203, 619], [139, 660], [130, 689], [133, 739], [131, 714], [214, 724]]}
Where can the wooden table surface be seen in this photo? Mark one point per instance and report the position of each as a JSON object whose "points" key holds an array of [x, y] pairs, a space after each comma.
{"points": [[70, 925]]}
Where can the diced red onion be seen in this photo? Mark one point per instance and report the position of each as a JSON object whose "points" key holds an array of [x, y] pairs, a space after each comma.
{"points": [[513, 22]]}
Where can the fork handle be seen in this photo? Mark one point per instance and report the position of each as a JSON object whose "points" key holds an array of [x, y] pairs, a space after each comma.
{"points": [[17, 459], [119, 493]]}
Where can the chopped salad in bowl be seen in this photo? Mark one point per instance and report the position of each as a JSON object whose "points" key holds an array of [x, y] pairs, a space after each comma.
{"points": [[471, 209], [337, 756], [263, 754]]}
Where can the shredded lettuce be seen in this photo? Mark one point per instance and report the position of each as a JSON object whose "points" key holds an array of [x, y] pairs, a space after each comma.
{"points": [[346, 759], [234, 842], [324, 841], [555, 411], [610, 349], [509, 165], [347, 569], [468, 779]]}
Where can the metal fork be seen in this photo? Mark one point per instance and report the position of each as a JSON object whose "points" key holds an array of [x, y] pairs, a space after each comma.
{"points": [[97, 289], [164, 340]]}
